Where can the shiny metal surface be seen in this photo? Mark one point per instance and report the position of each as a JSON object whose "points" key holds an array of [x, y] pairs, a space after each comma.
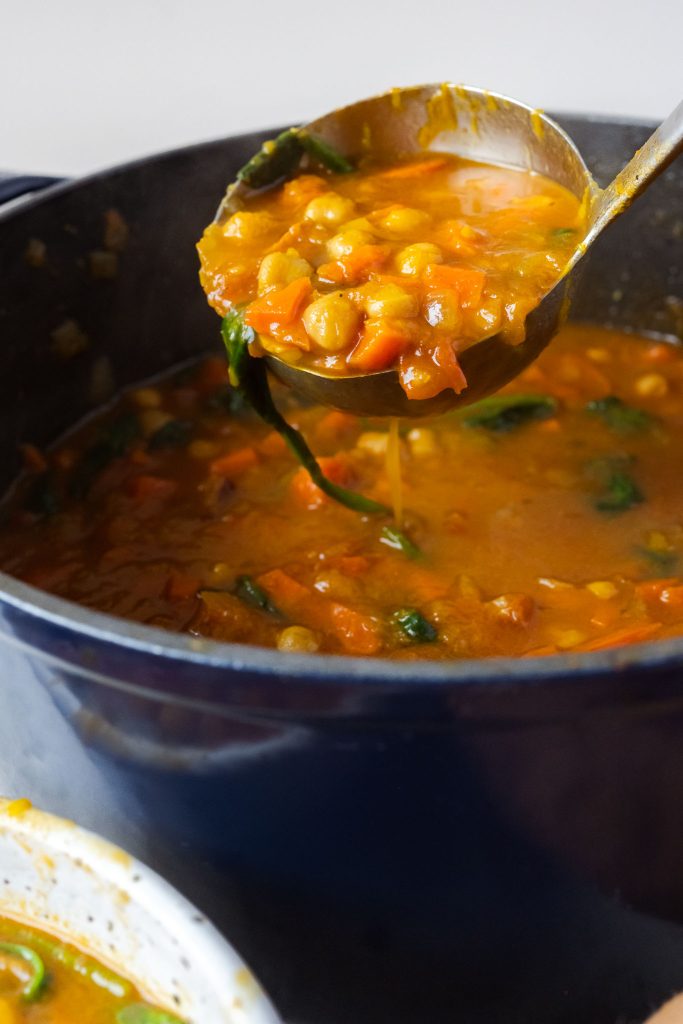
{"points": [[486, 127]]}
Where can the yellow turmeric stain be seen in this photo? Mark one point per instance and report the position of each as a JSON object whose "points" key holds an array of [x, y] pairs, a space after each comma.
{"points": [[537, 123], [15, 808], [491, 102], [441, 115], [396, 98], [366, 137]]}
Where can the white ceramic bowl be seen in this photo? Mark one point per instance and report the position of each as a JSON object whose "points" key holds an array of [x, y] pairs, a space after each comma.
{"points": [[69, 882]]}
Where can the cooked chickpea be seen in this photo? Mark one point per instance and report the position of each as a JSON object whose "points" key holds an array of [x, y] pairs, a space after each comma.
{"points": [[249, 226], [404, 220], [421, 441], [652, 385], [443, 310], [332, 322], [346, 241], [330, 209], [278, 269], [414, 259], [297, 639], [373, 441], [388, 300]]}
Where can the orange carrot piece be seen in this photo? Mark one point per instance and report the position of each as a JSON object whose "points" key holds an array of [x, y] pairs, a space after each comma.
{"points": [[652, 590], [284, 590], [336, 423], [417, 169], [635, 634], [380, 345], [357, 633], [278, 307], [468, 282], [356, 265], [234, 463], [672, 596], [150, 488], [181, 586], [309, 494], [291, 334], [272, 444]]}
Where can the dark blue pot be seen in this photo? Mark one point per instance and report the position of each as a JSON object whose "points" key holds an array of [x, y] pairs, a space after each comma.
{"points": [[477, 841]]}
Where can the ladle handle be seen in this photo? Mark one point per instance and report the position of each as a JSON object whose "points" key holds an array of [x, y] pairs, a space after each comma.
{"points": [[663, 146]]}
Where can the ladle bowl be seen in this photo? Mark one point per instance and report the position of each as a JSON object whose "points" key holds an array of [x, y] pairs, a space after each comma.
{"points": [[485, 127]]}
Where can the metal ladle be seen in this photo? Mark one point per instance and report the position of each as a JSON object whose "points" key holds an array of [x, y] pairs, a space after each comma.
{"points": [[480, 126]]}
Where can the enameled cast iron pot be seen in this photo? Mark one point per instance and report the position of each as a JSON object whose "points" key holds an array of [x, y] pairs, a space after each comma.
{"points": [[491, 841]]}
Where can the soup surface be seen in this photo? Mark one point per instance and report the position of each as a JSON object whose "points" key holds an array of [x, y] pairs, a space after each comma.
{"points": [[403, 265], [547, 518], [46, 981]]}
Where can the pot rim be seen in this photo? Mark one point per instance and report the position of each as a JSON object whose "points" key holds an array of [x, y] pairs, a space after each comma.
{"points": [[122, 874], [313, 669]]}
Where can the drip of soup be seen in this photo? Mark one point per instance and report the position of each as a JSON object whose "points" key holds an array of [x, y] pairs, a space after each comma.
{"points": [[392, 266], [46, 981], [547, 518]]}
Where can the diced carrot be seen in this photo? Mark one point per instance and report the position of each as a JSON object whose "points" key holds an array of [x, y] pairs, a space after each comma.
{"points": [[272, 444], [661, 352], [357, 633], [150, 488], [636, 634], [336, 424], [293, 334], [284, 590], [651, 590], [672, 596], [380, 345], [356, 265], [515, 609], [278, 307], [309, 494], [181, 586], [468, 282], [416, 169], [234, 463]]}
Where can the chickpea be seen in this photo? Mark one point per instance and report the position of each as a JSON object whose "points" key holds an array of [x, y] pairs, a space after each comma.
{"points": [[381, 300], [404, 220], [297, 640], [652, 385], [414, 259], [346, 241], [443, 310], [332, 322], [422, 441], [278, 269], [249, 226], [330, 209]]}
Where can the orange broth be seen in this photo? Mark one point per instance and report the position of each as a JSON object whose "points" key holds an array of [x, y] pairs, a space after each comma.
{"points": [[551, 523], [75, 988]]}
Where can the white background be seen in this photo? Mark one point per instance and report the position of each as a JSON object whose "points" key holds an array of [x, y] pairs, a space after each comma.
{"points": [[86, 83]]}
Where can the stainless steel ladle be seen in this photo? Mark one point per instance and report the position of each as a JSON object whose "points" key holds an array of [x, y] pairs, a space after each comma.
{"points": [[480, 126]]}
